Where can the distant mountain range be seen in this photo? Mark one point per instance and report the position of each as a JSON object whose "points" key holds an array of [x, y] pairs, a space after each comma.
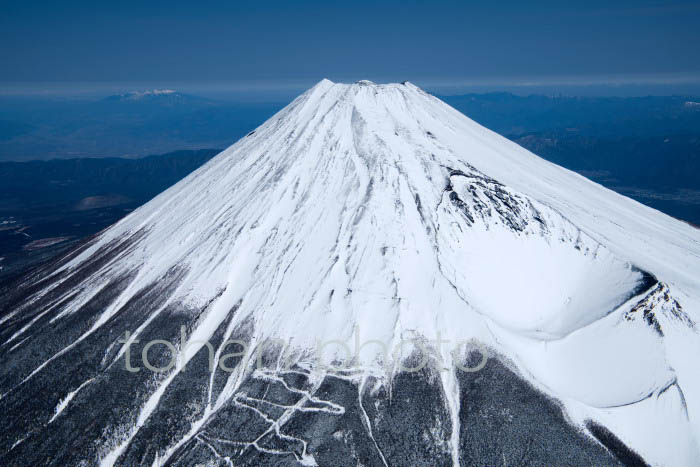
{"points": [[156, 121], [133, 124]]}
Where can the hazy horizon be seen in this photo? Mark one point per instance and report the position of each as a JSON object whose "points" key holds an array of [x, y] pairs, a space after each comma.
{"points": [[622, 86], [572, 48]]}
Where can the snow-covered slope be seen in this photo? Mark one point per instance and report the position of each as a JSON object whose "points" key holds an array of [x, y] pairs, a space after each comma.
{"points": [[373, 214]]}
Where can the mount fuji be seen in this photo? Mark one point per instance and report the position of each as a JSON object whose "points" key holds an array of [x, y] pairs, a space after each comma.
{"points": [[368, 278]]}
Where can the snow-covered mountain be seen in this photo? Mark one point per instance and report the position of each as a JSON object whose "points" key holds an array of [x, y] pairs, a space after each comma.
{"points": [[145, 95], [376, 280]]}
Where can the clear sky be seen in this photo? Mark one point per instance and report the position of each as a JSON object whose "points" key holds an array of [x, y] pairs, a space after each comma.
{"points": [[287, 43]]}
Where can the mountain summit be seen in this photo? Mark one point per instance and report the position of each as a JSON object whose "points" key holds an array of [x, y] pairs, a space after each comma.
{"points": [[368, 278]]}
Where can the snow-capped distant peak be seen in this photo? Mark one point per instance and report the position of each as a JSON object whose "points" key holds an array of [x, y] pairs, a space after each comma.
{"points": [[139, 95], [154, 92]]}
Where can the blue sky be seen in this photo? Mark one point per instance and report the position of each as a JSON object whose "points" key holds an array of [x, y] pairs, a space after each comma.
{"points": [[274, 43]]}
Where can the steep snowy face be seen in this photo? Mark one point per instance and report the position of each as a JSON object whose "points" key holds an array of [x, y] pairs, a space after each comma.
{"points": [[347, 202], [377, 214]]}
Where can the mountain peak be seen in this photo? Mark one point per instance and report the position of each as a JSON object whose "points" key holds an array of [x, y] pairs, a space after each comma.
{"points": [[326, 84], [372, 214], [146, 95]]}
